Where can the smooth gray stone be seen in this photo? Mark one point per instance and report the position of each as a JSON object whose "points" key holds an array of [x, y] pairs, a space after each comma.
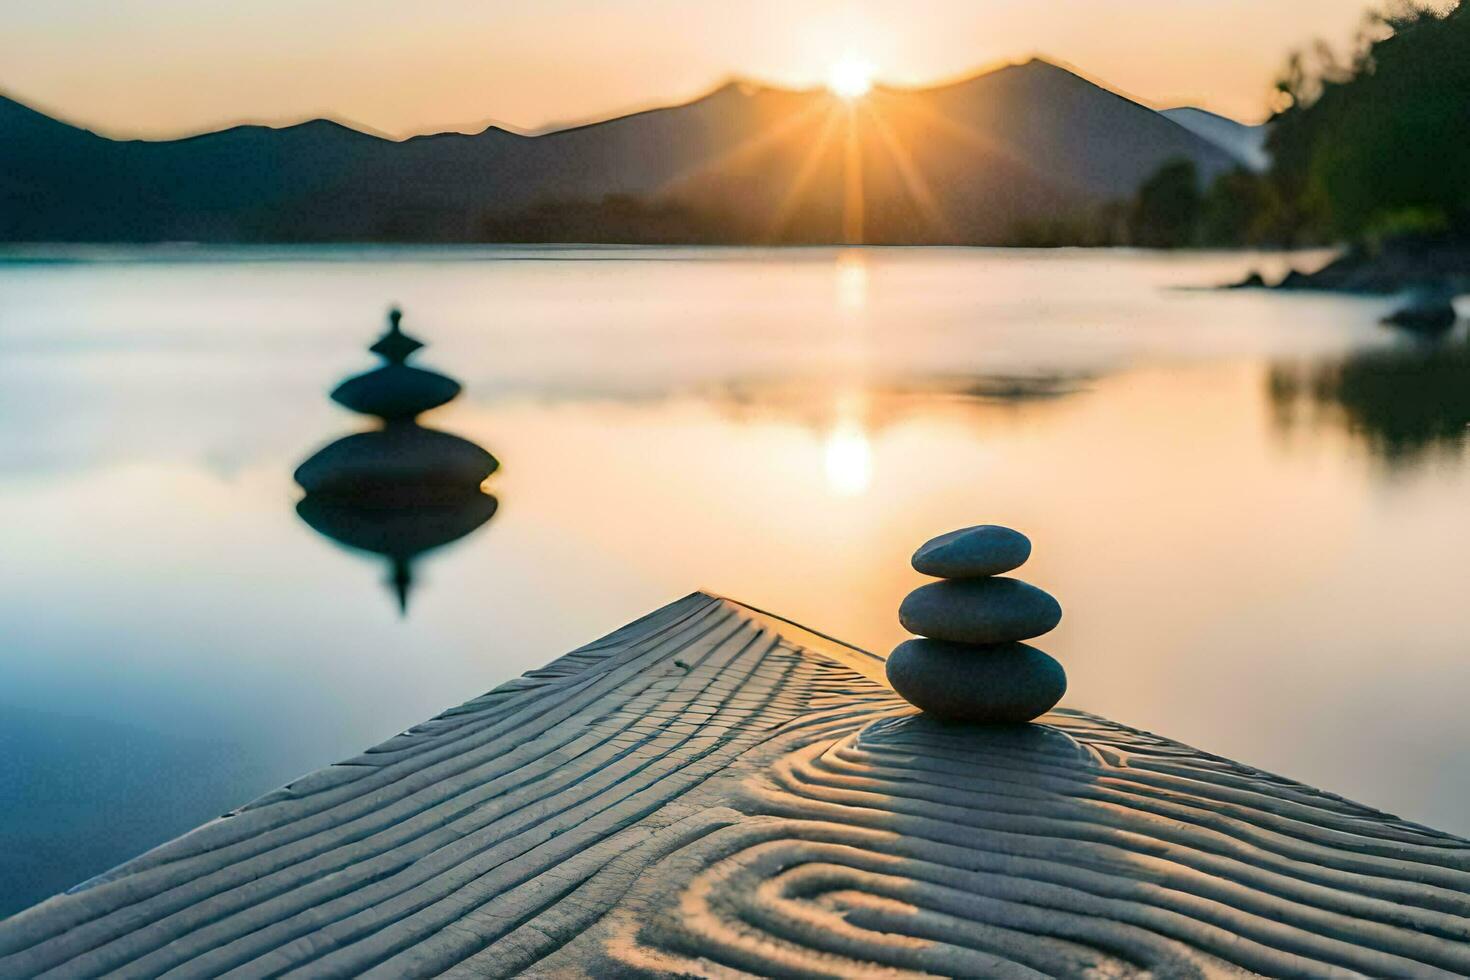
{"points": [[401, 463], [979, 610], [1007, 683], [971, 552], [395, 392]]}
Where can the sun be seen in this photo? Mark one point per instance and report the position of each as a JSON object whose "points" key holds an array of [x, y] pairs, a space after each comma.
{"points": [[850, 78]]}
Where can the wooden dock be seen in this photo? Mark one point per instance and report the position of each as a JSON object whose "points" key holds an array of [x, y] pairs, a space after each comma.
{"points": [[712, 791]]}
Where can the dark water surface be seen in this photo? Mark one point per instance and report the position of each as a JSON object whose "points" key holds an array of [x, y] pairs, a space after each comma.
{"points": [[1254, 508]]}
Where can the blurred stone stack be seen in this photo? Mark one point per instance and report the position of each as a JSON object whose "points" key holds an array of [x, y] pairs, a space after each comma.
{"points": [[401, 461], [401, 489], [969, 664]]}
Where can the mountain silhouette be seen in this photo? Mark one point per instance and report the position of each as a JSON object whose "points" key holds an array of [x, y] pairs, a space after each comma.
{"points": [[1246, 143], [956, 163]]}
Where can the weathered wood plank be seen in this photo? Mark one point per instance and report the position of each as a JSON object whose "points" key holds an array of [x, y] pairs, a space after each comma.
{"points": [[712, 790]]}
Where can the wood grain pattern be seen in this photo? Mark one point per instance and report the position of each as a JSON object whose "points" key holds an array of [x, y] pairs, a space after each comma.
{"points": [[713, 791]]}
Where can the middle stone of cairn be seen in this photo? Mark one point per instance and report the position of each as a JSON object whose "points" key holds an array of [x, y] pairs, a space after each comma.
{"points": [[969, 664]]}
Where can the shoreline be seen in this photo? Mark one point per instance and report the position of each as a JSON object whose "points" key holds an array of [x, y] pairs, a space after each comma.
{"points": [[1396, 268]]}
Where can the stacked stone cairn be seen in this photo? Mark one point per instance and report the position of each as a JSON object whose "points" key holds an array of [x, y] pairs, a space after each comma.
{"points": [[400, 489], [969, 664], [400, 463]]}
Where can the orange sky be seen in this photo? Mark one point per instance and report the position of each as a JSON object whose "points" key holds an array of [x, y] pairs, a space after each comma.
{"points": [[163, 67]]}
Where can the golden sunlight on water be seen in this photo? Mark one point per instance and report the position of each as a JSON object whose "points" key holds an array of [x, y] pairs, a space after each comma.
{"points": [[849, 459], [852, 281]]}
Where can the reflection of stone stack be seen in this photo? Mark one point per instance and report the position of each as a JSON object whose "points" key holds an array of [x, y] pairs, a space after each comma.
{"points": [[400, 534], [402, 489], [968, 664]]}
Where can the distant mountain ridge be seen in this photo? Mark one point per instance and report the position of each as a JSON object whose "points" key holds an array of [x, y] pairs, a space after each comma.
{"points": [[959, 163], [1246, 143]]}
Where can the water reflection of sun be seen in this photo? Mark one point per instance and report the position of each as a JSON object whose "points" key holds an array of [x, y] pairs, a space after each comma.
{"points": [[847, 452], [852, 281], [849, 460]]}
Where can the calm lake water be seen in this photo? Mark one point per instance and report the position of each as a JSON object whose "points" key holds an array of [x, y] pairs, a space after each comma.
{"points": [[1254, 508]]}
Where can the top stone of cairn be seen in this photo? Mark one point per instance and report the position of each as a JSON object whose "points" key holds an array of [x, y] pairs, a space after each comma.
{"points": [[973, 552], [395, 391], [395, 346]]}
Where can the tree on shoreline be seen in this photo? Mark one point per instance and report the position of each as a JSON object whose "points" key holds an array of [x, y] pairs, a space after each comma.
{"points": [[1379, 146], [1166, 212], [1369, 149]]}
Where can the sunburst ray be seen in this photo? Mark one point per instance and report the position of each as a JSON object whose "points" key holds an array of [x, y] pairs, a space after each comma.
{"points": [[908, 171], [852, 184], [804, 174]]}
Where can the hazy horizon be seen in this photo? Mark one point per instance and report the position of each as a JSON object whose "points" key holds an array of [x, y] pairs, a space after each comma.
{"points": [[166, 68], [567, 124]]}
